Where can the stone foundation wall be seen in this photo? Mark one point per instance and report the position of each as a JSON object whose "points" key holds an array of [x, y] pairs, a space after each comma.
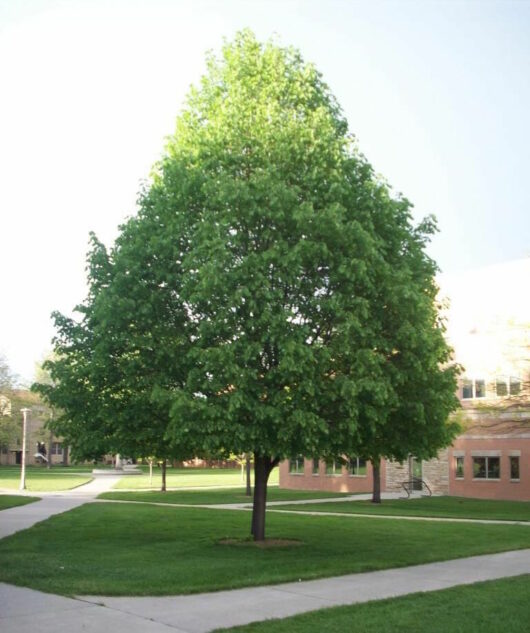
{"points": [[396, 474]]}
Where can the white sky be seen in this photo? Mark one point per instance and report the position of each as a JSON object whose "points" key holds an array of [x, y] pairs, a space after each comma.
{"points": [[437, 93], [488, 318]]}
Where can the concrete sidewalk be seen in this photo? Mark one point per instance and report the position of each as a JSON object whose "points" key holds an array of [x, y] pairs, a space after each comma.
{"points": [[24, 610], [22, 517]]}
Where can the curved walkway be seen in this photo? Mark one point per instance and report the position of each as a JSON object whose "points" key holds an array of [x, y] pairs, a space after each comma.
{"points": [[25, 610], [22, 517]]}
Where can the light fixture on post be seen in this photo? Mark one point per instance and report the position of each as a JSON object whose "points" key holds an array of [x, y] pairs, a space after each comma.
{"points": [[23, 460]]}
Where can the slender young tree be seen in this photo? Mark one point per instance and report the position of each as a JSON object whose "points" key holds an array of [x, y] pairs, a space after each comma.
{"points": [[409, 410]]}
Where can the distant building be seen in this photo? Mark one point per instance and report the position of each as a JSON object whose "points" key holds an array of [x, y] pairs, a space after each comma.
{"points": [[488, 325], [41, 445]]}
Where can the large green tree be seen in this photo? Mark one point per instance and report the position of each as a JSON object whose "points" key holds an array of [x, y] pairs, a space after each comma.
{"points": [[252, 302], [278, 268], [303, 274]]}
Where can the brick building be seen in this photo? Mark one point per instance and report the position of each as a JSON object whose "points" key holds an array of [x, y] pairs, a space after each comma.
{"points": [[41, 445]]}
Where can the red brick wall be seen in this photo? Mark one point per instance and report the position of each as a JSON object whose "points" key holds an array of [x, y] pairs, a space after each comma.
{"points": [[332, 483], [502, 488]]}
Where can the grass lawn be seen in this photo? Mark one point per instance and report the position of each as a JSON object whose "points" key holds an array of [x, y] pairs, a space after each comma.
{"points": [[450, 507], [11, 501], [40, 479], [188, 478], [131, 549], [226, 495], [486, 607]]}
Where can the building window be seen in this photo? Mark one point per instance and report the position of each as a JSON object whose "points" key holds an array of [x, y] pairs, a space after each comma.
{"points": [[316, 465], [515, 386], [333, 469], [514, 468], [3, 449], [508, 386], [296, 465], [57, 448], [473, 388], [357, 467], [486, 467], [501, 387], [459, 467], [480, 388]]}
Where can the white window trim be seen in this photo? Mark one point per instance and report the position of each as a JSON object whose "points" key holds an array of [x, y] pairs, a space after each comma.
{"points": [[507, 380], [473, 382], [486, 454], [518, 455], [459, 456]]}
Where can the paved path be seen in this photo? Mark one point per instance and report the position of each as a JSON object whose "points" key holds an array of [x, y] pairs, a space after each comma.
{"points": [[272, 506], [22, 517], [26, 611]]}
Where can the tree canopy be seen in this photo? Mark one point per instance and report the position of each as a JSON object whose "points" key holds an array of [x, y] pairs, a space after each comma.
{"points": [[271, 296]]}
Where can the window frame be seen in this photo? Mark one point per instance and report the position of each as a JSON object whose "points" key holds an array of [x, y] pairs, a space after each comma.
{"points": [[460, 461], [515, 459], [487, 467], [335, 466], [512, 386], [360, 463], [514, 380], [299, 462], [473, 382], [57, 448]]}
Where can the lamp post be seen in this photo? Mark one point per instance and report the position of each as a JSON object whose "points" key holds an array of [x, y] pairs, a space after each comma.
{"points": [[23, 461]]}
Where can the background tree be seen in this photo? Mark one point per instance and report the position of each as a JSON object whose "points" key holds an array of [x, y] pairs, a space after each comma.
{"points": [[42, 376], [70, 384], [14, 398], [410, 412], [10, 405], [113, 367]]}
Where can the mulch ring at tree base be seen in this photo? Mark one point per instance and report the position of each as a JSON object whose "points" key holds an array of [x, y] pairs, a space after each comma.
{"points": [[266, 544]]}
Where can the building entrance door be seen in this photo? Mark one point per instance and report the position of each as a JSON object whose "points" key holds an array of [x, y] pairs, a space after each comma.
{"points": [[18, 458], [416, 473]]}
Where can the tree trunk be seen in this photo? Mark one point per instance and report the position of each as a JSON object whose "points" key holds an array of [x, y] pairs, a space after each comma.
{"points": [[376, 493], [247, 468], [263, 464], [164, 464]]}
